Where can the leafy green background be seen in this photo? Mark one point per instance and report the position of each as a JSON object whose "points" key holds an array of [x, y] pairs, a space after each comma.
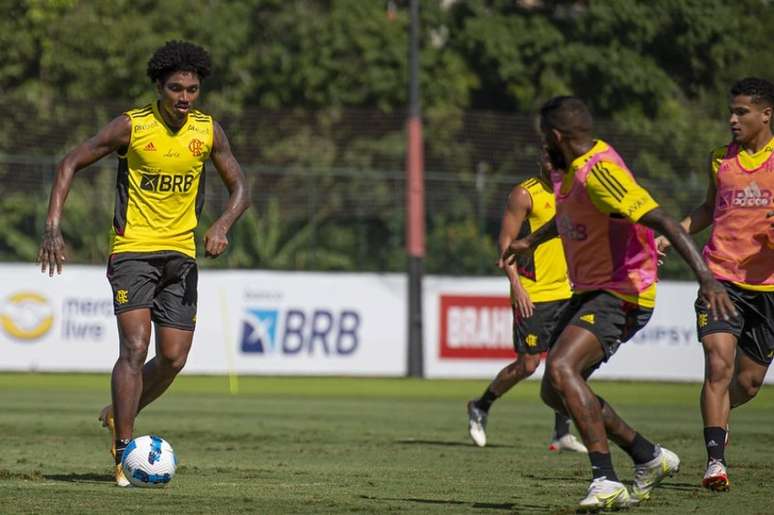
{"points": [[312, 94]]}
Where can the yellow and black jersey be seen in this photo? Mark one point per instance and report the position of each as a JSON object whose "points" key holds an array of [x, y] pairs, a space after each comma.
{"points": [[543, 272], [160, 183]]}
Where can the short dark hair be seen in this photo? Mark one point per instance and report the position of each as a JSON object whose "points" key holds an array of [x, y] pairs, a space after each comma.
{"points": [[759, 90], [566, 114], [178, 56]]}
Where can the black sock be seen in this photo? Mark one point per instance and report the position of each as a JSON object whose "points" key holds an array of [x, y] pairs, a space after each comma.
{"points": [[120, 447], [641, 449], [486, 400], [602, 466], [561, 425], [715, 440]]}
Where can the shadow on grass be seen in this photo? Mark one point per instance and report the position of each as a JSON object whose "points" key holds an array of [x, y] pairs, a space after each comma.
{"points": [[81, 478], [507, 506], [446, 443], [680, 486]]}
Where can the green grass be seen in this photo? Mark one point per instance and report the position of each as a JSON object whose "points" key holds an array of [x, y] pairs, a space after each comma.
{"points": [[338, 445]]}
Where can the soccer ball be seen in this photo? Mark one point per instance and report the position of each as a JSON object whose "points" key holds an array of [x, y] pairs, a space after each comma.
{"points": [[149, 461]]}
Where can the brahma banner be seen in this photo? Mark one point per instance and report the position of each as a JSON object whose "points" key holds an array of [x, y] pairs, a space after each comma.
{"points": [[475, 327], [468, 325]]}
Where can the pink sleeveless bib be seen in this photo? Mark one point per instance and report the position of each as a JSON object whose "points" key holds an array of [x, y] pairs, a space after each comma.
{"points": [[741, 247], [603, 253]]}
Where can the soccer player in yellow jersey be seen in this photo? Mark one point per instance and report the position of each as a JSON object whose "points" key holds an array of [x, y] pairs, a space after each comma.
{"points": [[539, 289], [604, 219], [740, 253], [161, 148]]}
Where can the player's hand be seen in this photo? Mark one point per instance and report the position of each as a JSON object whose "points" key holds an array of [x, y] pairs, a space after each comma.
{"points": [[662, 244], [215, 241], [717, 300], [516, 247], [51, 254], [523, 303]]}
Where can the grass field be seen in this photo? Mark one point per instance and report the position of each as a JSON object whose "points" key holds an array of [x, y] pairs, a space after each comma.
{"points": [[338, 445]]}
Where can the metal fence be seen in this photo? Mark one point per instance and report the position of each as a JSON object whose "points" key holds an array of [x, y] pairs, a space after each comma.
{"points": [[328, 187]]}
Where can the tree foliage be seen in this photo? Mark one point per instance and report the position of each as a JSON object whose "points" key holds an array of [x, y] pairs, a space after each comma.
{"points": [[655, 72]]}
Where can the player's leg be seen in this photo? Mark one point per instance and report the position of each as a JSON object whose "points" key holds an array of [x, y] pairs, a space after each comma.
{"points": [[174, 312], [719, 340], [756, 343], [719, 357], [530, 340], [748, 378], [134, 330], [564, 388], [507, 378], [599, 324], [133, 278], [172, 348], [561, 438]]}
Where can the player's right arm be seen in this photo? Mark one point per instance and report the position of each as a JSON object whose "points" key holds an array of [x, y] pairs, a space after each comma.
{"points": [[112, 137], [703, 215], [516, 211]]}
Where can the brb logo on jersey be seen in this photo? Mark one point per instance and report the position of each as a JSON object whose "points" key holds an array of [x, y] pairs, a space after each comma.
{"points": [[750, 197], [295, 331], [570, 230], [163, 183]]}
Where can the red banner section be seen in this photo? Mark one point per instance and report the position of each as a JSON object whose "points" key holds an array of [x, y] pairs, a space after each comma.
{"points": [[475, 326]]}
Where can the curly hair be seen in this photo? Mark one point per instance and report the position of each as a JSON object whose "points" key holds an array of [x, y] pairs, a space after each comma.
{"points": [[760, 91], [176, 56]]}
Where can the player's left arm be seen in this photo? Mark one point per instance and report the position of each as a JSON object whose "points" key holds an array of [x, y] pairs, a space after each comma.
{"points": [[216, 237], [713, 293], [614, 191]]}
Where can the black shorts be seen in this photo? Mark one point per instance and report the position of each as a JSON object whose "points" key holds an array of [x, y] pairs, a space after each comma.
{"points": [[163, 281], [611, 319], [753, 326], [533, 335]]}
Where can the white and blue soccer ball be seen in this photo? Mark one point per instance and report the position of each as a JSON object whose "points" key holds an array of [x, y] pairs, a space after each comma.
{"points": [[149, 461]]}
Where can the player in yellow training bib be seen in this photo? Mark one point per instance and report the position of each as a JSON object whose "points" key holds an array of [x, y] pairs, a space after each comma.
{"points": [[539, 290], [161, 148]]}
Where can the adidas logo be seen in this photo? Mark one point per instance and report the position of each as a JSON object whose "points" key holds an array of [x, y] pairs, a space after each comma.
{"points": [[589, 318], [751, 196], [150, 147], [712, 443]]}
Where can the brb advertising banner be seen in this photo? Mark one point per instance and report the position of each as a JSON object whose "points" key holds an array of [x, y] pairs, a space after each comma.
{"points": [[468, 334], [303, 323], [247, 322]]}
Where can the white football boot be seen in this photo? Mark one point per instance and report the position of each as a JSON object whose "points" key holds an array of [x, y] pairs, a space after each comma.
{"points": [[716, 477], [477, 424], [567, 442], [605, 495], [648, 475]]}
